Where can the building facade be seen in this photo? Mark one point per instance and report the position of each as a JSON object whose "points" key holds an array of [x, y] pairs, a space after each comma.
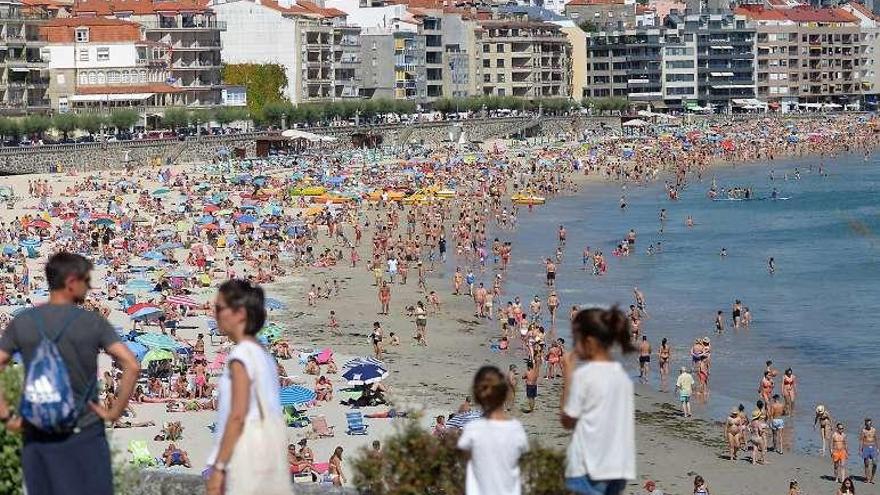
{"points": [[188, 27], [23, 73], [97, 64]]}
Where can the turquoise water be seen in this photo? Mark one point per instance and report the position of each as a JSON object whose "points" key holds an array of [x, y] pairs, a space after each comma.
{"points": [[816, 314]]}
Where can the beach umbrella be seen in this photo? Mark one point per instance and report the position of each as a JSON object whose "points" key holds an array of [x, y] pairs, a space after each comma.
{"points": [[162, 234], [247, 219], [459, 420], [271, 303], [182, 226], [371, 361], [158, 341], [6, 192], [104, 222], [183, 301], [153, 255], [139, 350], [134, 308], [146, 313], [211, 226], [40, 224], [210, 208], [139, 284], [156, 355], [10, 249], [169, 245], [162, 191], [205, 219], [365, 374], [218, 362], [296, 394]]}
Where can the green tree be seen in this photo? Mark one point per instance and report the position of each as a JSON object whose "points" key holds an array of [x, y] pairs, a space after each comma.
{"points": [[226, 115], [273, 113], [124, 119], [65, 123], [9, 128], [36, 125], [91, 123], [265, 83], [10, 443], [175, 118]]}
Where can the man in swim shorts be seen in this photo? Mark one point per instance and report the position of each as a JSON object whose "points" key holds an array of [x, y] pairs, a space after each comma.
{"points": [[869, 447], [839, 453], [777, 423], [531, 378], [685, 385], [644, 359]]}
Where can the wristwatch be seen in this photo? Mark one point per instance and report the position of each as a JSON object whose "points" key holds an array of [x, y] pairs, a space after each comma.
{"points": [[219, 466]]}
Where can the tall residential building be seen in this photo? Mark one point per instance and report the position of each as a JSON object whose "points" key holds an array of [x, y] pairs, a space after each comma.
{"points": [[23, 73], [188, 27], [98, 64], [807, 55], [524, 58], [602, 15], [394, 64], [625, 64], [316, 47], [869, 23], [725, 58]]}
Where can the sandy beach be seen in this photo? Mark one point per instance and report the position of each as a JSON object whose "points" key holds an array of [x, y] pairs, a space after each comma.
{"points": [[428, 380]]}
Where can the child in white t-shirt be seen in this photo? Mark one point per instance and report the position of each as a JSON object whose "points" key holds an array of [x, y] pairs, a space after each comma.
{"points": [[597, 403], [495, 442]]}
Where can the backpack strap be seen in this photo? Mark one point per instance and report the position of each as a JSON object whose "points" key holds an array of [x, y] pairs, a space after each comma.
{"points": [[38, 320]]}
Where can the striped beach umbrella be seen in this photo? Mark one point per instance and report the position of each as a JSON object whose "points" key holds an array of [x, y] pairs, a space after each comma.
{"points": [[271, 303], [183, 301], [134, 308], [461, 419], [146, 313], [351, 363], [296, 394], [158, 341]]}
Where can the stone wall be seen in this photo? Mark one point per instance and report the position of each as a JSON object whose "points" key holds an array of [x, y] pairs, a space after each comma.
{"points": [[156, 482]]}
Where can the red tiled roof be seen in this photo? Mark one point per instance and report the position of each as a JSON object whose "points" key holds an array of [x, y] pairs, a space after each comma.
{"points": [[797, 14], [595, 2], [101, 29], [318, 10], [865, 11], [136, 7], [127, 89]]}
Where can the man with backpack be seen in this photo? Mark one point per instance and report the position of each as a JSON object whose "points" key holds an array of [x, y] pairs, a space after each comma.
{"points": [[65, 449]]}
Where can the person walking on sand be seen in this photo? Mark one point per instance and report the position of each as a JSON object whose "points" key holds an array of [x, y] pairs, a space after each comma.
{"points": [[776, 411], [335, 467], [823, 421], [72, 457], [248, 399], [789, 390], [644, 359], [598, 405], [512, 386], [384, 298], [868, 448], [685, 385], [664, 355], [839, 453], [495, 442], [531, 378]]}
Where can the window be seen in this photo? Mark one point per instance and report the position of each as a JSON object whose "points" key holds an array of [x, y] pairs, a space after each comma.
{"points": [[487, 78], [501, 92], [82, 35], [501, 78], [486, 63], [83, 54], [113, 77], [102, 78], [143, 76], [486, 48], [45, 54], [499, 48], [103, 53], [93, 78], [500, 62], [83, 78]]}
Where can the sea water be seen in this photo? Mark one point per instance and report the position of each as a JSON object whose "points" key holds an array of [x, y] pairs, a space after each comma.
{"points": [[816, 314]]}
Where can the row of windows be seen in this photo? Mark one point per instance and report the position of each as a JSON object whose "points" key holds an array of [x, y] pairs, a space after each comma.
{"points": [[101, 77]]}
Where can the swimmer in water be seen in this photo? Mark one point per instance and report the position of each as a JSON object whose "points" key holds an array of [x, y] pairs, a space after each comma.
{"points": [[723, 252], [774, 194], [771, 265]]}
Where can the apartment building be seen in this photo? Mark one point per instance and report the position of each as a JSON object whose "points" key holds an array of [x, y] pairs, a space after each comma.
{"points": [[188, 27], [23, 73], [98, 64], [626, 64], [602, 15], [869, 24], [524, 58], [807, 55], [725, 59]]}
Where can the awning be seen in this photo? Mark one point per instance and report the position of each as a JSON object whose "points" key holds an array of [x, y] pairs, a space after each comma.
{"points": [[111, 97], [638, 81], [721, 47], [748, 103], [732, 86], [19, 69], [721, 74]]}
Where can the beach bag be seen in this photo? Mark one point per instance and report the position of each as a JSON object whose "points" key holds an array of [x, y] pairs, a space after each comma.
{"points": [[47, 401], [258, 465]]}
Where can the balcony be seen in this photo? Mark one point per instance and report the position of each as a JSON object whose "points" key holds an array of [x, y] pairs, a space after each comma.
{"points": [[184, 47], [172, 24], [194, 66]]}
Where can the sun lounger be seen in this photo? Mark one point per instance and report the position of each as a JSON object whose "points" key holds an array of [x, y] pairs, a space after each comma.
{"points": [[356, 425], [319, 426]]}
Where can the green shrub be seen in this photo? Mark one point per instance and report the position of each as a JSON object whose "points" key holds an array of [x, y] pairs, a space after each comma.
{"points": [[11, 479], [414, 462]]}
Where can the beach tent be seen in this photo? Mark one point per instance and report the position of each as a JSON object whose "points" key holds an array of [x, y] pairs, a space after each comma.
{"points": [[635, 123], [139, 350], [461, 419]]}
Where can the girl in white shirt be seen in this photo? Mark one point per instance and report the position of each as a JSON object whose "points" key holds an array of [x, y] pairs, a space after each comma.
{"points": [[597, 403], [495, 441]]}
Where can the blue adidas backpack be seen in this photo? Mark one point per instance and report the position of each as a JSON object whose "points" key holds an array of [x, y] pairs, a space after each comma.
{"points": [[48, 401]]}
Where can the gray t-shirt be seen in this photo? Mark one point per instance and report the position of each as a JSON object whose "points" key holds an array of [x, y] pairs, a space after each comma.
{"points": [[86, 334]]}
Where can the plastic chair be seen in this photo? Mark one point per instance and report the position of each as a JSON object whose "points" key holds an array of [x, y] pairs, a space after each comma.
{"points": [[356, 425], [320, 427]]}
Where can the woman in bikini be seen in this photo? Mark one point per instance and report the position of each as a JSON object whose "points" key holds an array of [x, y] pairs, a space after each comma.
{"points": [[789, 390], [554, 356], [663, 356], [823, 420], [731, 432], [758, 438]]}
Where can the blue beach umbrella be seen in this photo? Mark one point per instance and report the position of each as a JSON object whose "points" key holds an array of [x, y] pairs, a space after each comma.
{"points": [[247, 219], [205, 219], [139, 350], [104, 222], [358, 361], [162, 191], [365, 374], [146, 313], [169, 245], [159, 341], [139, 284], [296, 394], [32, 242], [10, 249]]}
